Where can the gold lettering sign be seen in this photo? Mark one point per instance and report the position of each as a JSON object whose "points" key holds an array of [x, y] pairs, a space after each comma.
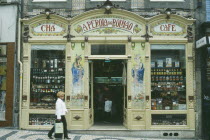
{"points": [[108, 25]]}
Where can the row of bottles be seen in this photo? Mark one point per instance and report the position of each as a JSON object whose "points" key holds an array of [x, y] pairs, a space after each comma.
{"points": [[169, 122], [57, 79], [167, 78], [167, 86], [37, 102], [48, 63], [51, 71], [165, 104], [48, 86], [41, 120], [46, 90], [166, 71]]}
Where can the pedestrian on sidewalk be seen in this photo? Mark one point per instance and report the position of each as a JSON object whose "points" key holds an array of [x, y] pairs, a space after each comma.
{"points": [[60, 115]]}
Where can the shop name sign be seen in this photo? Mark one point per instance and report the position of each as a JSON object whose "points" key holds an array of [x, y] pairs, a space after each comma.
{"points": [[167, 27], [48, 29], [107, 25]]}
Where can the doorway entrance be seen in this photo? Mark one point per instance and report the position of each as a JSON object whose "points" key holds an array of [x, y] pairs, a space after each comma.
{"points": [[108, 85]]}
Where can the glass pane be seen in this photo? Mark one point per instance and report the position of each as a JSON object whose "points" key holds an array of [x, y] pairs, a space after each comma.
{"points": [[108, 49], [3, 79], [168, 77], [41, 119], [47, 76], [169, 119]]}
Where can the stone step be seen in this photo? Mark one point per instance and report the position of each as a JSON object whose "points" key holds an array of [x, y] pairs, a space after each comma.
{"points": [[121, 131]]}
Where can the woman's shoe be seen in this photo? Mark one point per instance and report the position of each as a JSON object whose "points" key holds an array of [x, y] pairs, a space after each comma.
{"points": [[67, 137]]}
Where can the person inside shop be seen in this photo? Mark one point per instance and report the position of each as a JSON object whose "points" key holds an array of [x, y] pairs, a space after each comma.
{"points": [[107, 110], [60, 115]]}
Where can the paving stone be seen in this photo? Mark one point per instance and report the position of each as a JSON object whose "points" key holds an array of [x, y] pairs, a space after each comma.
{"points": [[16, 134]]}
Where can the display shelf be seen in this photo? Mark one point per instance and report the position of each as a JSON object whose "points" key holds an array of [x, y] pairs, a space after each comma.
{"points": [[169, 119], [41, 119], [169, 112]]}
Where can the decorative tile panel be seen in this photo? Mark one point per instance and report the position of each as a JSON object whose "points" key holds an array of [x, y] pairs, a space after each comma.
{"points": [[137, 3]]}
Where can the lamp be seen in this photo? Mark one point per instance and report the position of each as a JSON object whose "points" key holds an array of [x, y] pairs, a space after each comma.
{"points": [[168, 13], [47, 12], [107, 5]]}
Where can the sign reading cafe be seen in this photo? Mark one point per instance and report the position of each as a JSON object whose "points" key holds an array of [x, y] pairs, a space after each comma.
{"points": [[168, 28], [107, 25]]}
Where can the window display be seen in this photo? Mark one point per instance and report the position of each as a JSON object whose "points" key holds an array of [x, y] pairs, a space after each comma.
{"points": [[41, 119], [168, 78], [169, 119], [3, 67], [47, 75]]}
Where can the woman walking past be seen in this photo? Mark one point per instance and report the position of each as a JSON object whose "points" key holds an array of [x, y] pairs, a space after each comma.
{"points": [[60, 115]]}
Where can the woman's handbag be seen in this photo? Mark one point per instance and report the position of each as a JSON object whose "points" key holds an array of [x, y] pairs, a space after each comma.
{"points": [[58, 127]]}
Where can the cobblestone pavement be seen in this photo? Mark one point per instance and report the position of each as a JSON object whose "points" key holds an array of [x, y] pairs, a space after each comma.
{"points": [[15, 134]]}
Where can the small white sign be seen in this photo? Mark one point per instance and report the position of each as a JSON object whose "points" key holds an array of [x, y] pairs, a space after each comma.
{"points": [[159, 63], [168, 62], [201, 42]]}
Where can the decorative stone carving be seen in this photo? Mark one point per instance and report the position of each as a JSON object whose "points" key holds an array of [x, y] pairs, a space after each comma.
{"points": [[26, 33], [138, 118], [77, 117], [189, 35]]}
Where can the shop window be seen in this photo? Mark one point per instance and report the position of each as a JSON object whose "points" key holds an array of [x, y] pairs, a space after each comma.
{"points": [[3, 72], [47, 75], [169, 119], [117, 49], [41, 119], [168, 77]]}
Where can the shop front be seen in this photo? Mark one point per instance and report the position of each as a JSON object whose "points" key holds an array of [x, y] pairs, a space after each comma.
{"points": [[145, 66]]}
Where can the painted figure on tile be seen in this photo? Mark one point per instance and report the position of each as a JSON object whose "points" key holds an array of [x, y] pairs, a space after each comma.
{"points": [[138, 78], [77, 74]]}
